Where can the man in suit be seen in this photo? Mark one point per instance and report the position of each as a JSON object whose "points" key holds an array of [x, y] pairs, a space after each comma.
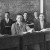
{"points": [[36, 14], [36, 20], [25, 15], [6, 24], [28, 19]]}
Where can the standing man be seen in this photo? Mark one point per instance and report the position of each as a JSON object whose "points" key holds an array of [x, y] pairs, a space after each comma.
{"points": [[36, 20], [6, 24], [35, 16], [25, 17], [28, 20]]}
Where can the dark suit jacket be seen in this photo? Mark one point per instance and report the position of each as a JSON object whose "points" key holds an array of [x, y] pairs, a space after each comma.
{"points": [[37, 26], [4, 29]]}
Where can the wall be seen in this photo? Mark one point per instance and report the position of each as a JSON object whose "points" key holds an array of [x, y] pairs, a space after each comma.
{"points": [[47, 9], [15, 6]]}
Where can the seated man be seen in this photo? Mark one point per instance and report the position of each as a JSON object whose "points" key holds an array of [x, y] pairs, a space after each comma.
{"points": [[6, 24], [19, 27], [28, 19]]}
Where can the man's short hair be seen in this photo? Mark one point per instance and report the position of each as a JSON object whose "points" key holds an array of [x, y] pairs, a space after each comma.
{"points": [[21, 15], [8, 13], [25, 12]]}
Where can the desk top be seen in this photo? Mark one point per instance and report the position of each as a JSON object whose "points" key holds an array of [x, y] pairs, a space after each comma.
{"points": [[37, 32]]}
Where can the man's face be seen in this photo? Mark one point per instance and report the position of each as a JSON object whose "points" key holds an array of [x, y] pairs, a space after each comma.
{"points": [[6, 16], [25, 15], [35, 14], [19, 18]]}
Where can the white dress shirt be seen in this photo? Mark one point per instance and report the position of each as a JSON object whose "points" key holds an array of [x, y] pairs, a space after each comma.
{"points": [[42, 24], [7, 20]]}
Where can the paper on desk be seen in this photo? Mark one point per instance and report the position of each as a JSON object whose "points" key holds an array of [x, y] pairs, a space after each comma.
{"points": [[48, 29], [37, 31], [1, 35], [30, 30], [25, 32], [31, 24], [45, 30]]}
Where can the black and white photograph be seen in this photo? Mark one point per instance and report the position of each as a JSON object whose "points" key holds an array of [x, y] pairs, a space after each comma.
{"points": [[24, 24]]}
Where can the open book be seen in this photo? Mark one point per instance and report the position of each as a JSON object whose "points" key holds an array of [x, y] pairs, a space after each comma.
{"points": [[28, 31]]}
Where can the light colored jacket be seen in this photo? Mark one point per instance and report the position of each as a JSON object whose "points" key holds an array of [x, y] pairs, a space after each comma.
{"points": [[17, 30]]}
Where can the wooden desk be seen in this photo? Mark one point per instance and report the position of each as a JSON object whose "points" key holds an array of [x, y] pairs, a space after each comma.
{"points": [[33, 38], [47, 38], [9, 42], [24, 40]]}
